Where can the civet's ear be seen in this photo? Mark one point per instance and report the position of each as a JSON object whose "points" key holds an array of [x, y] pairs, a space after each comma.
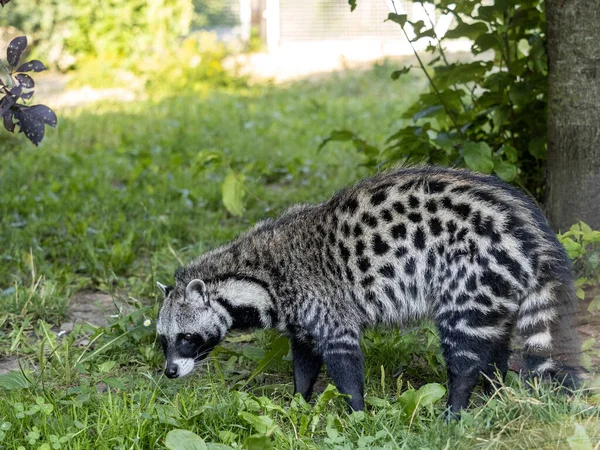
{"points": [[196, 292], [166, 290]]}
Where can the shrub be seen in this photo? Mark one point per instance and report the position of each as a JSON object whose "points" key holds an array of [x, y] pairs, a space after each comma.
{"points": [[487, 113], [64, 31]]}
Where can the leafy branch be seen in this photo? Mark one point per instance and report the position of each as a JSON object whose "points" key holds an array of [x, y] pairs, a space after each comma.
{"points": [[19, 86]]}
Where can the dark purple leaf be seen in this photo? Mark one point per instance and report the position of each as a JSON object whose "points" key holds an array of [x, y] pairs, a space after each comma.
{"points": [[4, 2], [30, 125], [25, 80], [43, 114], [8, 122], [33, 65], [27, 95], [15, 92], [6, 102], [15, 49]]}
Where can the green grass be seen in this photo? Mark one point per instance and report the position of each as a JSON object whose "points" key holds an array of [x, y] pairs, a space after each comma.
{"points": [[119, 194]]}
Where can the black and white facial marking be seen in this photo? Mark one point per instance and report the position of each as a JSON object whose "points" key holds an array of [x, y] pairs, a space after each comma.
{"points": [[191, 325], [188, 328]]}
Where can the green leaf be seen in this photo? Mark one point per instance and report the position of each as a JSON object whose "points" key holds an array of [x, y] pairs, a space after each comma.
{"points": [[233, 193], [400, 19], [352, 4], [262, 424], [13, 381], [184, 440], [337, 135], [258, 442], [580, 439], [468, 30], [106, 366], [478, 156], [253, 353], [279, 348], [216, 446], [505, 170], [397, 73], [594, 304], [329, 393], [587, 344], [574, 249], [430, 393]]}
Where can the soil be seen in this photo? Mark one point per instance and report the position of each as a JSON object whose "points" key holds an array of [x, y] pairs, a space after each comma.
{"points": [[86, 306]]}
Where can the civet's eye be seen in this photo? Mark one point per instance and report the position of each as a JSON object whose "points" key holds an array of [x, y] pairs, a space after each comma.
{"points": [[187, 337]]}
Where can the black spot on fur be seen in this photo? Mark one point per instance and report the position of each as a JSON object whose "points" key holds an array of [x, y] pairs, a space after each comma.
{"points": [[346, 229], [462, 271], [460, 189], [471, 283], [349, 275], [484, 300], [435, 226], [331, 237], [398, 207], [428, 275], [431, 206], [419, 238], [367, 281], [462, 298], [463, 210], [451, 227], [400, 252], [389, 292], [410, 266], [370, 296], [369, 220], [360, 247], [431, 259], [412, 289], [344, 252], [413, 201], [434, 187], [414, 217], [378, 198], [364, 264], [489, 198], [358, 231], [447, 202], [485, 227], [380, 247], [350, 206], [386, 215], [399, 231], [461, 234], [441, 249], [499, 286], [387, 271], [406, 186]]}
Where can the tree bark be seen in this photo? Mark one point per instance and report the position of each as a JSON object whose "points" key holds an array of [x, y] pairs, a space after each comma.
{"points": [[573, 44]]}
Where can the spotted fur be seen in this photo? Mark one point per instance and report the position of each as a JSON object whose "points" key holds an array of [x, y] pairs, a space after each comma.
{"points": [[467, 250]]}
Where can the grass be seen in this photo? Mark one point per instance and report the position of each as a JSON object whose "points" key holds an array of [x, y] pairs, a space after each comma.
{"points": [[120, 194]]}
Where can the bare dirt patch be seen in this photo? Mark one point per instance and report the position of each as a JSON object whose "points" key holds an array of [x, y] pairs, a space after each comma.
{"points": [[85, 306], [94, 308]]}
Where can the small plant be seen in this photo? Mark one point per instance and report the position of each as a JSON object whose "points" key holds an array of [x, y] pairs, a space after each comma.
{"points": [[583, 246], [19, 86]]}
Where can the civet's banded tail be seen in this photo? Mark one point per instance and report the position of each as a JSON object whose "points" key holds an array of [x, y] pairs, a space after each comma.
{"points": [[546, 322]]}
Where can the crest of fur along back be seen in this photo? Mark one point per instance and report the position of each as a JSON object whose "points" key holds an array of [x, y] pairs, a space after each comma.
{"points": [[468, 250]]}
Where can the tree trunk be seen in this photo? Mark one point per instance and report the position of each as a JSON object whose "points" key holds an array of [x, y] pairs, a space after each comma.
{"points": [[573, 112]]}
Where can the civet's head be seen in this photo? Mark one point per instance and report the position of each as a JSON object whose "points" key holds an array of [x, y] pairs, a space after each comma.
{"points": [[189, 326]]}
